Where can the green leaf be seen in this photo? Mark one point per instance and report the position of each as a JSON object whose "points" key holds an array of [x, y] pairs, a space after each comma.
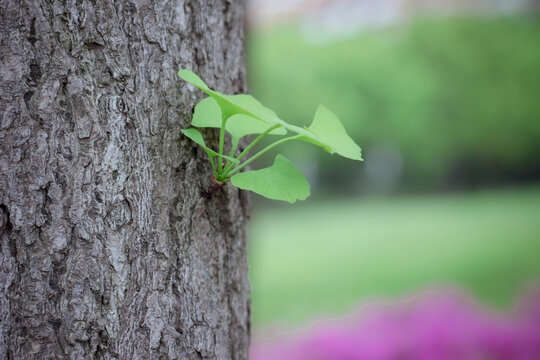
{"points": [[196, 136], [327, 132], [233, 104], [281, 181], [328, 129], [208, 114], [248, 105], [309, 137], [192, 78], [241, 125]]}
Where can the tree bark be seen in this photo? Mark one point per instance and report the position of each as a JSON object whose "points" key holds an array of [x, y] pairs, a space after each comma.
{"points": [[115, 244]]}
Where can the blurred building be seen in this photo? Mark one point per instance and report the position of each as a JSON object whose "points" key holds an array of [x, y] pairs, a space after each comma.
{"points": [[341, 17]]}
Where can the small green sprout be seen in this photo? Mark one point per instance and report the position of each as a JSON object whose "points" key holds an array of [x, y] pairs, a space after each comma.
{"points": [[242, 115]]}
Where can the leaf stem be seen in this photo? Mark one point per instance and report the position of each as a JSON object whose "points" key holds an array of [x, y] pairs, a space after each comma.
{"points": [[246, 150], [230, 163], [213, 165], [257, 139], [266, 149], [221, 141]]}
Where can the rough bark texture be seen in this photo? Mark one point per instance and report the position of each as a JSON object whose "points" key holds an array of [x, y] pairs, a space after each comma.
{"points": [[114, 243]]}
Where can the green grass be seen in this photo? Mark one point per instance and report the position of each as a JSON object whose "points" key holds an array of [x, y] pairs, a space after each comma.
{"points": [[324, 256]]}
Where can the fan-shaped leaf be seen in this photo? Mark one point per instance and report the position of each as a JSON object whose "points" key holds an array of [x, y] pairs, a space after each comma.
{"points": [[327, 127], [241, 125], [250, 106], [233, 104], [192, 78], [281, 181], [208, 114], [309, 137]]}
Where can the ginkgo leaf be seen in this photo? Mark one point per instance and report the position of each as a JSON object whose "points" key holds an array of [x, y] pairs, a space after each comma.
{"points": [[309, 137], [192, 78], [327, 132], [328, 129], [233, 104], [252, 107], [281, 181], [208, 114], [196, 136], [241, 125]]}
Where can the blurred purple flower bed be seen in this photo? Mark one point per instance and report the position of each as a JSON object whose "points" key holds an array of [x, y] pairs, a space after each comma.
{"points": [[442, 327]]}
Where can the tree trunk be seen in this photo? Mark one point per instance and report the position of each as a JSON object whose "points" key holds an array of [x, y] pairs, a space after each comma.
{"points": [[114, 242]]}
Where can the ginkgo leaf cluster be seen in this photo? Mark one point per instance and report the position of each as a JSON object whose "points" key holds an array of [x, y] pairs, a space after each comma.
{"points": [[242, 115]]}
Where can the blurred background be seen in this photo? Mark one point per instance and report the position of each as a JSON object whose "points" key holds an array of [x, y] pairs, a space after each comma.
{"points": [[443, 96]]}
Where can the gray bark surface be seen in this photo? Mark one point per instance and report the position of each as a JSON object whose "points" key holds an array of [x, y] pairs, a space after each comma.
{"points": [[114, 242]]}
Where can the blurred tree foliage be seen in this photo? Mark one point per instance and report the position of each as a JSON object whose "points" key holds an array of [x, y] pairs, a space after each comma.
{"points": [[459, 99]]}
